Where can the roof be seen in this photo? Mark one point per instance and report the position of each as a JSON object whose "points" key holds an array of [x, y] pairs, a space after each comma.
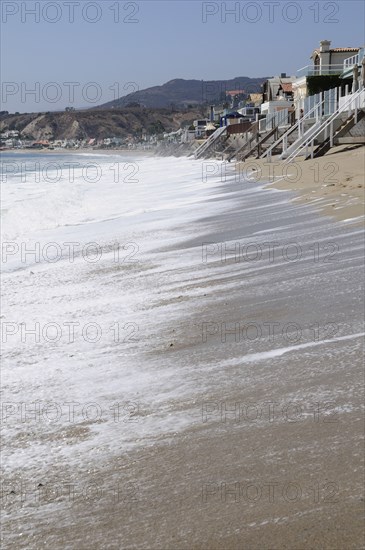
{"points": [[317, 51], [256, 97], [235, 92], [229, 113], [274, 84], [287, 86], [344, 49]]}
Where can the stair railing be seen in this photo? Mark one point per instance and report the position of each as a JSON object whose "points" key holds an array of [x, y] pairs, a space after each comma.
{"points": [[254, 128], [298, 125], [211, 139], [328, 123]]}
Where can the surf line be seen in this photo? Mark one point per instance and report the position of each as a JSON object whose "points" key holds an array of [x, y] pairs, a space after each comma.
{"points": [[281, 351]]}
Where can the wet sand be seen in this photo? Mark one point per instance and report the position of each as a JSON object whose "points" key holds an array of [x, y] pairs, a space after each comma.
{"points": [[272, 455]]}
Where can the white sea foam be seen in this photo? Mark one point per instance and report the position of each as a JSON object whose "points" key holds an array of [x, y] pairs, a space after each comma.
{"points": [[168, 213], [49, 212], [279, 352]]}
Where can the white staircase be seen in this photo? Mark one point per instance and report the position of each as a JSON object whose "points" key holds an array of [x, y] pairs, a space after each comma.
{"points": [[208, 144], [304, 138], [298, 127], [326, 127]]}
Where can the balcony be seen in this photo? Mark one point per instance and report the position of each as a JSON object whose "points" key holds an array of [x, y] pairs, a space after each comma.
{"points": [[349, 62], [353, 60], [319, 70]]}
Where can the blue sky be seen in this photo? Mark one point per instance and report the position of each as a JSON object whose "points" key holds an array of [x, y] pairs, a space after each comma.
{"points": [[146, 43]]}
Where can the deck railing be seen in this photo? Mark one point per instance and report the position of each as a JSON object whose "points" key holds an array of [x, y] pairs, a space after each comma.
{"points": [[351, 61], [272, 120], [319, 70], [329, 98], [299, 126], [210, 141]]}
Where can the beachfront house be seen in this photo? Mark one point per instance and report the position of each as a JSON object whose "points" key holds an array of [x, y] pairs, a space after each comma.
{"points": [[41, 144], [277, 94], [234, 97], [200, 127], [249, 111], [230, 117], [323, 74], [255, 99], [329, 103], [353, 74], [327, 60]]}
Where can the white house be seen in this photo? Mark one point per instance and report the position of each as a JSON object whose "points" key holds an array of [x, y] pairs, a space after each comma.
{"points": [[326, 61], [200, 127], [350, 65]]}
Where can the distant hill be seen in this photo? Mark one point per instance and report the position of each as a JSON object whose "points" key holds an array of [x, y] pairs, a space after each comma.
{"points": [[96, 124], [153, 110], [186, 93]]}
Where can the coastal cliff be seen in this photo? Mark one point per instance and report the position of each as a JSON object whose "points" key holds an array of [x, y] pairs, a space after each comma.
{"points": [[130, 121]]}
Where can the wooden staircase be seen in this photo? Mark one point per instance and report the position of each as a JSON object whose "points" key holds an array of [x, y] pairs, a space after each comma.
{"points": [[211, 143], [258, 144], [249, 136]]}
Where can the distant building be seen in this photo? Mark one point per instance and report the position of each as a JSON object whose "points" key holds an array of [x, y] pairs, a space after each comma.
{"points": [[277, 94], [230, 117], [41, 144], [10, 134], [249, 111], [200, 127], [256, 99], [285, 91], [236, 96]]}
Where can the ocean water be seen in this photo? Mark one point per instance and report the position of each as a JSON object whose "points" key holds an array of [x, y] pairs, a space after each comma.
{"points": [[101, 255], [138, 289], [44, 195]]}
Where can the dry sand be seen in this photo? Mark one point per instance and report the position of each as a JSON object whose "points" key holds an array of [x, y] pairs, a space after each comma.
{"points": [[334, 182]]}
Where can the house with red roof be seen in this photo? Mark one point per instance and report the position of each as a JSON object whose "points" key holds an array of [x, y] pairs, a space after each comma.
{"points": [[277, 94], [323, 74]]}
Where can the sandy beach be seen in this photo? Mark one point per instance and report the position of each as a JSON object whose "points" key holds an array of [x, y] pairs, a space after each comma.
{"points": [[182, 323], [333, 183], [244, 382]]}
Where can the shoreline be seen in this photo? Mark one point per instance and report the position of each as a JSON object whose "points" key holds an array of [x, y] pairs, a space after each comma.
{"points": [[333, 184]]}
